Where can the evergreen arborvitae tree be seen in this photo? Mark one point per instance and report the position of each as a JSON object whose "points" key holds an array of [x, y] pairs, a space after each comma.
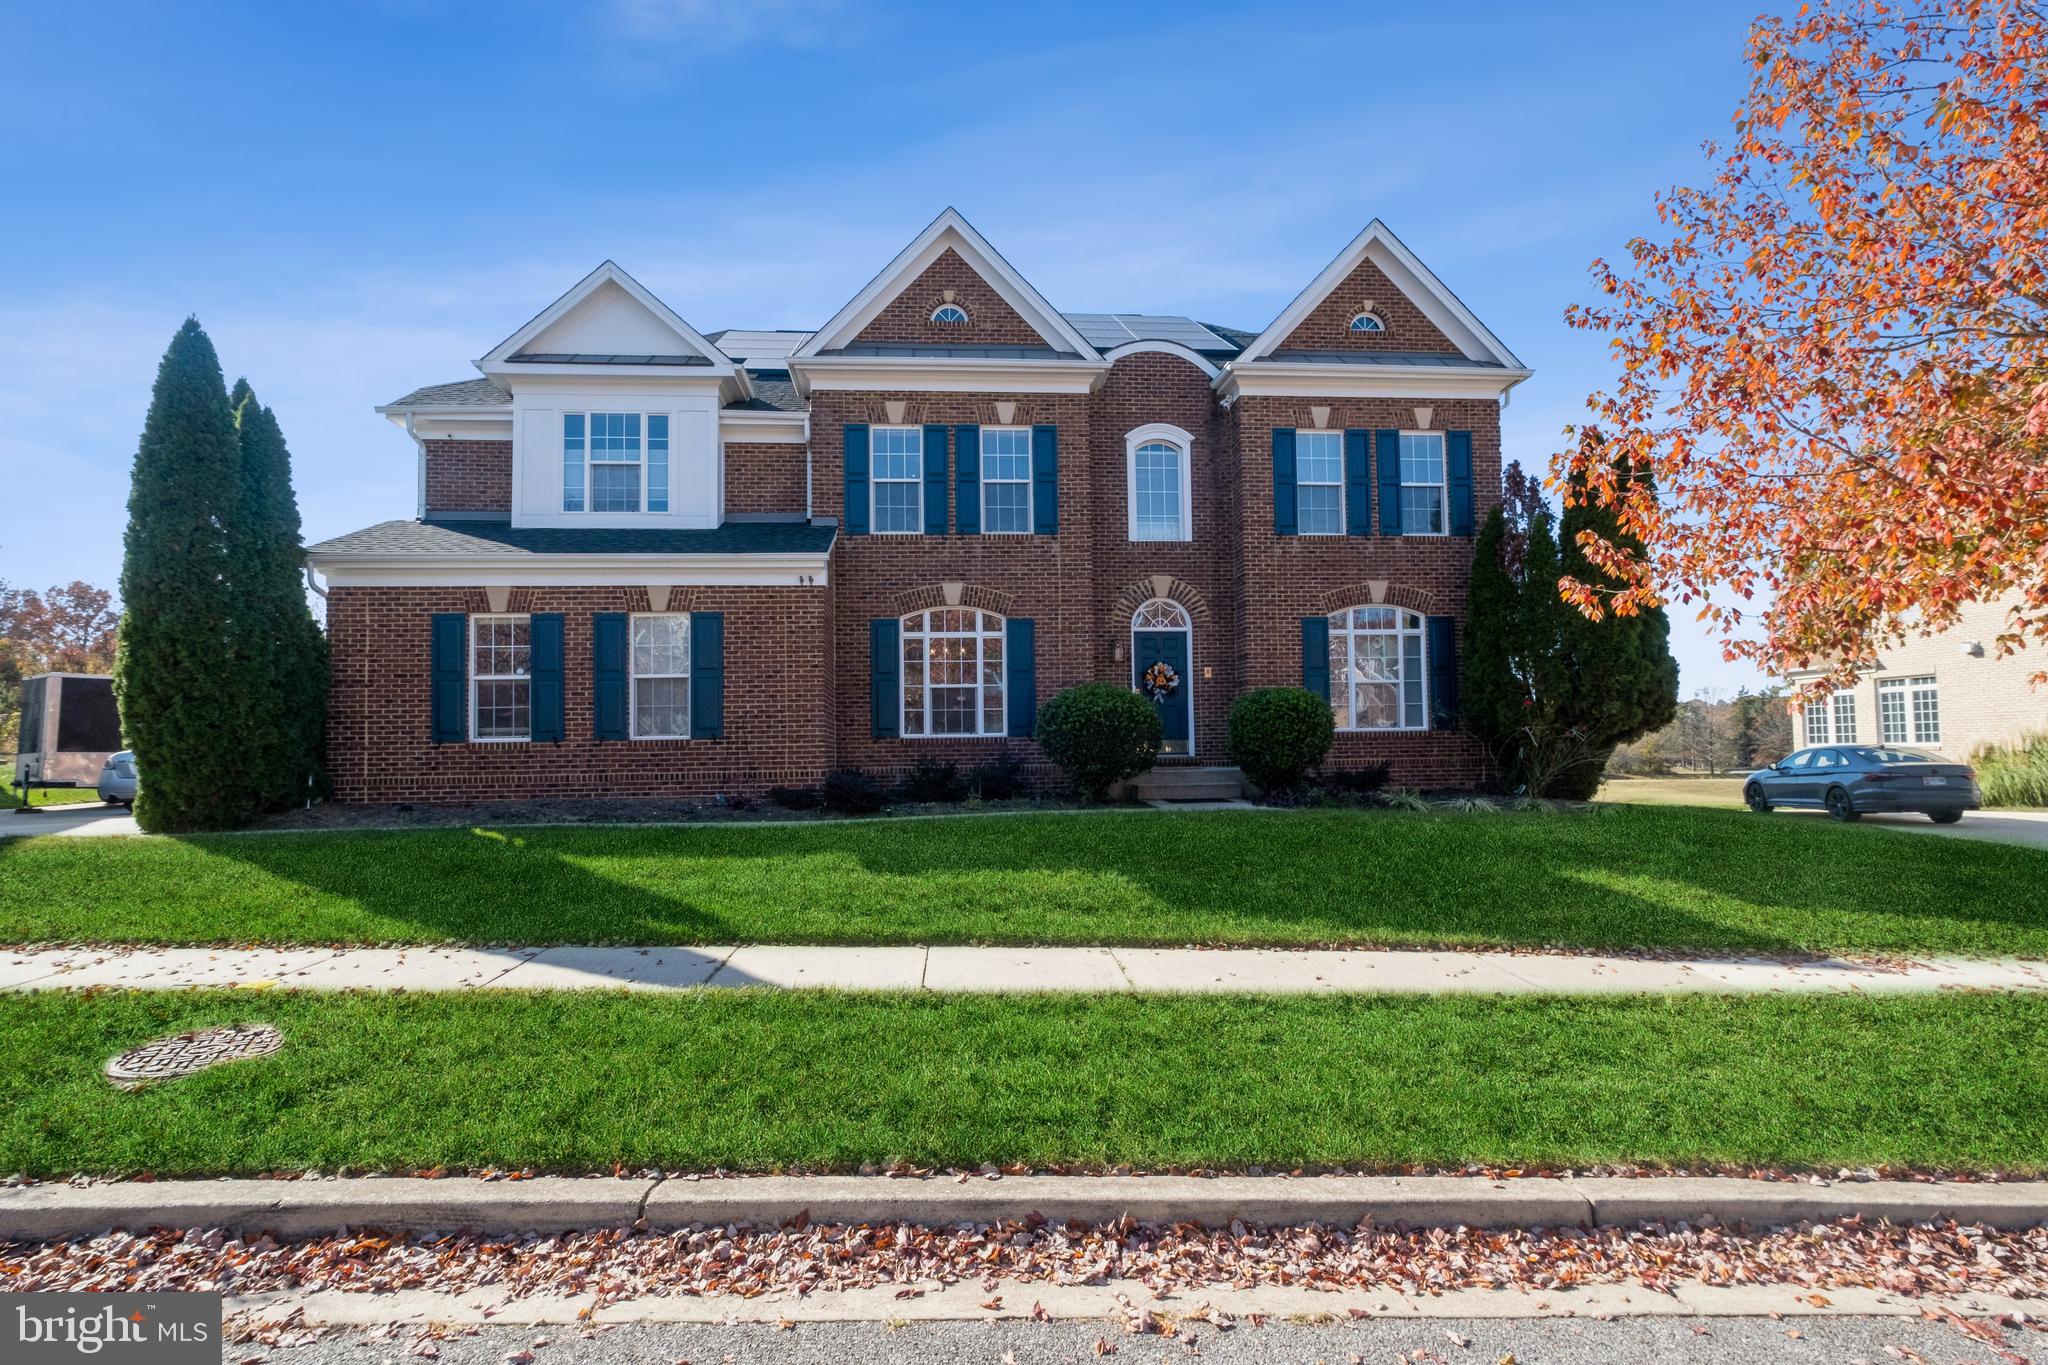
{"points": [[186, 702], [1623, 681], [1491, 688], [275, 632]]}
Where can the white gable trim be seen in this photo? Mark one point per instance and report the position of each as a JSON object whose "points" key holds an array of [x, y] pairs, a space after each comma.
{"points": [[497, 361], [949, 229], [1174, 348], [1411, 277]]}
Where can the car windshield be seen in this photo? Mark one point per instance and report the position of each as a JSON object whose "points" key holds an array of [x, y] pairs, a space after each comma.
{"points": [[1897, 756]]}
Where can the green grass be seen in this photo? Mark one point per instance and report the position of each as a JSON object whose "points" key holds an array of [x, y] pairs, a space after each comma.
{"points": [[760, 1080], [10, 795], [1674, 791], [1620, 877]]}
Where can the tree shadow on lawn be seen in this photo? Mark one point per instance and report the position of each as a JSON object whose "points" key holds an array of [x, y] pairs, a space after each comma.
{"points": [[1637, 877]]}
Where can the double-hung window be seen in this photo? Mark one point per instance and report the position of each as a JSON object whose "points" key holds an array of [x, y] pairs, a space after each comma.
{"points": [[661, 676], [1006, 480], [607, 455], [897, 457], [1908, 711], [1845, 717], [1423, 494], [500, 678], [1159, 490], [1319, 483], [953, 673], [1376, 669], [1817, 721]]}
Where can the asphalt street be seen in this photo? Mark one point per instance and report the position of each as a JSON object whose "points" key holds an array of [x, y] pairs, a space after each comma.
{"points": [[1668, 1341]]}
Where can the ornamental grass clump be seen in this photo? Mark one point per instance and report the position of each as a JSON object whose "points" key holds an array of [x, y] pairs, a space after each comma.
{"points": [[1099, 734], [2013, 774]]}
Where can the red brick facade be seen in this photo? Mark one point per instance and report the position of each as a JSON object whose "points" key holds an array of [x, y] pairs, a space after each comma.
{"points": [[796, 667]]}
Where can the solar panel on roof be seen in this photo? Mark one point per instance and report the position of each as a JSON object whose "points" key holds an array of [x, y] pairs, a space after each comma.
{"points": [[1115, 329]]}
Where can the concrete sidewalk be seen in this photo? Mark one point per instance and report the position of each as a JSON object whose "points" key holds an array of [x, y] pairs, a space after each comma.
{"points": [[982, 970]]}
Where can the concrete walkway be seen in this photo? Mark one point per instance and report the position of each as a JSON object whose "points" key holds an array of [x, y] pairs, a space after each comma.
{"points": [[981, 970]]}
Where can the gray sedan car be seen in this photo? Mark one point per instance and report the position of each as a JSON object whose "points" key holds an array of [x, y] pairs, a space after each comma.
{"points": [[1848, 780], [117, 779]]}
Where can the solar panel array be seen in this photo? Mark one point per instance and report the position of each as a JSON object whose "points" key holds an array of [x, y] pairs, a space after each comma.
{"points": [[1105, 330], [759, 350]]}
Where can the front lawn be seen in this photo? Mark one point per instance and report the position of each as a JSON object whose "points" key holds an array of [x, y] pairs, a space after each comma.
{"points": [[1616, 878], [760, 1081]]}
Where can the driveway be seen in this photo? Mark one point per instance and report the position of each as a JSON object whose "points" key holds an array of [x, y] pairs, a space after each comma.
{"points": [[90, 817], [2005, 826]]}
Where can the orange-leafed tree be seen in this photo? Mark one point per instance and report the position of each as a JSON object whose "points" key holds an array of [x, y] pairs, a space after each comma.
{"points": [[1833, 358]]}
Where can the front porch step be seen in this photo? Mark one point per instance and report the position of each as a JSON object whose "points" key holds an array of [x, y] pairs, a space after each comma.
{"points": [[1185, 784]]}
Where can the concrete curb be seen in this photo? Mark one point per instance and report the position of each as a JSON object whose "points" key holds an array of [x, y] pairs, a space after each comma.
{"points": [[554, 1204]]}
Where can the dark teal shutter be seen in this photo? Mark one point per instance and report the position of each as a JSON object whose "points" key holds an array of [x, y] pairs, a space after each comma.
{"points": [[1388, 444], [707, 675], [448, 693], [1283, 481], [1020, 652], [1443, 673], [967, 480], [885, 676], [856, 457], [608, 675], [1458, 454], [1045, 479], [1315, 655], [1357, 483], [544, 636], [935, 481]]}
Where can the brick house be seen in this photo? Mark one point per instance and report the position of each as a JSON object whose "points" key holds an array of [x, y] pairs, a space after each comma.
{"points": [[647, 560]]}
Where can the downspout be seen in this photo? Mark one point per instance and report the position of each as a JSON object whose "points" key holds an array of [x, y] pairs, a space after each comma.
{"points": [[313, 584], [809, 506], [420, 446]]}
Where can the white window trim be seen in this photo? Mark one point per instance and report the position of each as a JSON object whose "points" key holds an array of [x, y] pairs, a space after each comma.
{"points": [[1842, 720], [640, 507], [1164, 434], [633, 675], [1443, 487], [1909, 687], [1400, 702], [1187, 628], [1379, 327], [903, 637], [1343, 511], [1818, 720], [469, 667], [875, 483], [1030, 493], [965, 316]]}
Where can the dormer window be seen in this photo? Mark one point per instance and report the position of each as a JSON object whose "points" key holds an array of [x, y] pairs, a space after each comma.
{"points": [[611, 455], [1367, 322], [950, 315]]}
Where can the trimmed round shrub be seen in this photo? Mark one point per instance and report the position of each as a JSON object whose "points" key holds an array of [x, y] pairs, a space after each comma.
{"points": [[1099, 734], [1278, 733]]}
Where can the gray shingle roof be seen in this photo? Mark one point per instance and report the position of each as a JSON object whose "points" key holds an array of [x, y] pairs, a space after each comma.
{"points": [[497, 538], [773, 392], [463, 393]]}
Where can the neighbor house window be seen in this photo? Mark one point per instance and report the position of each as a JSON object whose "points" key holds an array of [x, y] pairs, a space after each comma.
{"points": [[1006, 479], [661, 676], [1908, 711], [1376, 669], [898, 479], [1423, 498], [953, 673], [603, 456], [950, 314], [1319, 482], [1845, 717], [1159, 483], [1817, 721], [500, 678], [1367, 322]]}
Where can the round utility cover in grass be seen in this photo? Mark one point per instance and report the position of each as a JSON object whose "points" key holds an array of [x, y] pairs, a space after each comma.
{"points": [[185, 1053]]}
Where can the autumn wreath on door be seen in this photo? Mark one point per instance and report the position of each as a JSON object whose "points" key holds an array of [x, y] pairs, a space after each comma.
{"points": [[1160, 681]]}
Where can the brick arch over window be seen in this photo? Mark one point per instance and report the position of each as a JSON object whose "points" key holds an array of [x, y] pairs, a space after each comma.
{"points": [[1379, 592], [933, 595], [1164, 585]]}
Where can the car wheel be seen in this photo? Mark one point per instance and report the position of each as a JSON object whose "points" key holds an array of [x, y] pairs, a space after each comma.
{"points": [[1839, 805], [1758, 802], [1944, 817]]}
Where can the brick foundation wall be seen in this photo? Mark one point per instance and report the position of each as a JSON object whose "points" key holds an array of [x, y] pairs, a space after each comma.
{"points": [[469, 476], [764, 477], [778, 657]]}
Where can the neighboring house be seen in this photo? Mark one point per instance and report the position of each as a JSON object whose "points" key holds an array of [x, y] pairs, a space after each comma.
{"points": [[1950, 692], [649, 560]]}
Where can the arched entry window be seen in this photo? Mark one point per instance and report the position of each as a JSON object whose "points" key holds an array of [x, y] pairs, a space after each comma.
{"points": [[1162, 655], [1158, 483], [1377, 669], [953, 675]]}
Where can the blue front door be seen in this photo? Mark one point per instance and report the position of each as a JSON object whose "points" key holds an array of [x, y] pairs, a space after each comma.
{"points": [[1176, 713]]}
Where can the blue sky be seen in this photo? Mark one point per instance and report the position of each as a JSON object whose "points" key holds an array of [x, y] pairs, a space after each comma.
{"points": [[359, 198]]}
